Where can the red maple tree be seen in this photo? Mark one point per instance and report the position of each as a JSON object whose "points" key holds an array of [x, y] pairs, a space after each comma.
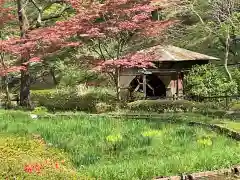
{"points": [[95, 24], [5, 16], [119, 22], [31, 46]]}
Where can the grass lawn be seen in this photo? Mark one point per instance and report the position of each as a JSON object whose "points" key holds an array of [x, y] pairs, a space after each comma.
{"points": [[105, 148], [234, 125]]}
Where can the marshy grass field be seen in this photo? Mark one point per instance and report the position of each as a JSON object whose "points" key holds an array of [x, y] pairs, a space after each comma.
{"points": [[103, 148]]}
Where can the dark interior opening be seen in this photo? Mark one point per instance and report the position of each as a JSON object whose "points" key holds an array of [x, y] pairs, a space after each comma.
{"points": [[155, 87]]}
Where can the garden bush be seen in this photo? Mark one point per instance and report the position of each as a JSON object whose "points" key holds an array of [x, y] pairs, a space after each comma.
{"points": [[213, 112], [71, 99], [209, 80], [161, 105], [104, 107], [71, 76], [235, 107]]}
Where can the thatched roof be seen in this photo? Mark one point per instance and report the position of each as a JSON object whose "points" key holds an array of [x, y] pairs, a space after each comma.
{"points": [[172, 53]]}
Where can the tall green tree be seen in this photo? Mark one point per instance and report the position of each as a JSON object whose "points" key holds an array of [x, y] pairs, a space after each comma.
{"points": [[200, 29], [209, 81]]}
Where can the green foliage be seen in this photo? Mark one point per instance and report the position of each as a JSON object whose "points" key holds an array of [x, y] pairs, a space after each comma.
{"points": [[213, 112], [236, 76], [40, 110], [138, 96], [207, 81], [71, 99], [205, 141], [114, 138], [104, 107], [73, 76], [197, 36], [161, 105], [235, 107], [151, 133], [167, 149], [18, 153]]}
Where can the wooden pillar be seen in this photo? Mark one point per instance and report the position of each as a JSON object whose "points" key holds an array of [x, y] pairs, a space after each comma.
{"points": [[182, 76], [145, 85], [118, 84], [177, 93]]}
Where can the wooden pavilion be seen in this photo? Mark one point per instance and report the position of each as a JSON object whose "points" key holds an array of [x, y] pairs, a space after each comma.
{"points": [[165, 81]]}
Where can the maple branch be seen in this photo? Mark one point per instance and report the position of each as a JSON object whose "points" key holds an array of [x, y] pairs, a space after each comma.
{"points": [[222, 41], [40, 17], [95, 50], [40, 11], [125, 40], [200, 18], [111, 75], [35, 4], [105, 49], [119, 47], [100, 49], [23, 6], [56, 15]]}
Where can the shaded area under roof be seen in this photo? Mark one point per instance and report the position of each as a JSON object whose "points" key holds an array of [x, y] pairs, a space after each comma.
{"points": [[172, 53]]}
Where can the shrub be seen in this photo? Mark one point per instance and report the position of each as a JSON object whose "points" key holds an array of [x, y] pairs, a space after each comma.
{"points": [[40, 110], [70, 99], [138, 96], [235, 107], [161, 105], [209, 80], [103, 107], [214, 112], [71, 76], [114, 142]]}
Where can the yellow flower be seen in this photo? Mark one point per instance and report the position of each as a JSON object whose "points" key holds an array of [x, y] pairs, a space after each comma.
{"points": [[114, 138], [205, 141], [151, 133]]}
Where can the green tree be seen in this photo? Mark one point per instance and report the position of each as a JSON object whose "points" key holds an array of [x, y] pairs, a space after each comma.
{"points": [[200, 29], [209, 80]]}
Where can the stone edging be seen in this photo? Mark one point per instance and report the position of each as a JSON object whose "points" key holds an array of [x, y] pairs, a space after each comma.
{"points": [[208, 174], [228, 132]]}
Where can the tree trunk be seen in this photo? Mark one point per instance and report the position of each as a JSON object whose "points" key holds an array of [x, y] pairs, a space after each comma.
{"points": [[117, 83], [227, 47], [25, 76], [53, 76], [6, 89], [25, 90], [5, 83]]}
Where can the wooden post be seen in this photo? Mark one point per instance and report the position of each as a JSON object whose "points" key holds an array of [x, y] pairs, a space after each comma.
{"points": [[145, 85], [183, 85]]}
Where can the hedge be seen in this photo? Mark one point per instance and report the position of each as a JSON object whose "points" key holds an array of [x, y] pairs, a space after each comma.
{"points": [[161, 105], [70, 100], [235, 107]]}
